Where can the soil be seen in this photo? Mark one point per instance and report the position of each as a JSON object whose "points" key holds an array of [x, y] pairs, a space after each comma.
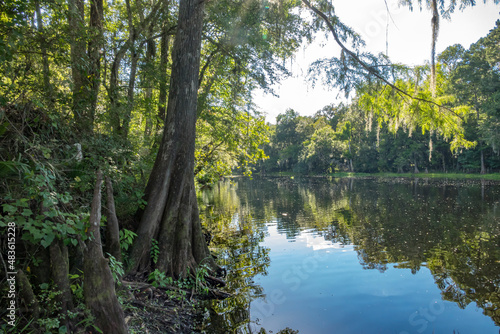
{"points": [[156, 310]]}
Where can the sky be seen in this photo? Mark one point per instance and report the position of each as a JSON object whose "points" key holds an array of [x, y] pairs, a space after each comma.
{"points": [[409, 42]]}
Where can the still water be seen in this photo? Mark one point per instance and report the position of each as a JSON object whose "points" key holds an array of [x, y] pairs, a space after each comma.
{"points": [[319, 255]]}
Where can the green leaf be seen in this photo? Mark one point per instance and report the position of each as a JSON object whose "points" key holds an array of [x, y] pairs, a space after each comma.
{"points": [[9, 208], [27, 212], [47, 240]]}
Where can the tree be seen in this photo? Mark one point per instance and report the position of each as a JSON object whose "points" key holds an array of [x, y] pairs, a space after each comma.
{"points": [[475, 80], [323, 152], [171, 215], [439, 8], [85, 60]]}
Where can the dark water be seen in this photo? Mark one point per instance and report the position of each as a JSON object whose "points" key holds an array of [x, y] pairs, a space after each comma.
{"points": [[323, 255]]}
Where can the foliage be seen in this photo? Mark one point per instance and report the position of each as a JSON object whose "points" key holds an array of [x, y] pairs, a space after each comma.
{"points": [[126, 239], [155, 251], [116, 268], [159, 279], [384, 130]]}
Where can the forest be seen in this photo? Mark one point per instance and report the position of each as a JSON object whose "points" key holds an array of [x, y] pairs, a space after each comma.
{"points": [[113, 114], [358, 137]]}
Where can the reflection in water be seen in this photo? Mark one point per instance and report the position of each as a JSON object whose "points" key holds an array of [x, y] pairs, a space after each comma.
{"points": [[450, 228]]}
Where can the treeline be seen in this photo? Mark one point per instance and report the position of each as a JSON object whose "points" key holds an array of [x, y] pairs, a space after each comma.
{"points": [[359, 137]]}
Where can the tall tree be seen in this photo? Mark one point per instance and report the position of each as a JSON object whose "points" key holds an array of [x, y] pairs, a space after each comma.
{"points": [[85, 60], [171, 214], [475, 80], [439, 8], [76, 11]]}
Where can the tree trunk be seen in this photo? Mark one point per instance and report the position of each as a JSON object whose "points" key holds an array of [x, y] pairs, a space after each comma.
{"points": [[130, 95], [113, 93], [171, 214], [435, 32], [94, 52], [483, 168], [59, 263], [162, 100], [351, 167], [98, 284], [27, 295], [133, 71], [150, 53], [45, 58], [78, 63], [113, 229]]}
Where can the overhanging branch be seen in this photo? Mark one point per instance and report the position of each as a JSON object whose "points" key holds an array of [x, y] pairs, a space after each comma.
{"points": [[371, 70]]}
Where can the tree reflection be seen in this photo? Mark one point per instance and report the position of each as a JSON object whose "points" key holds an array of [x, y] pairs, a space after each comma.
{"points": [[236, 235], [452, 228]]}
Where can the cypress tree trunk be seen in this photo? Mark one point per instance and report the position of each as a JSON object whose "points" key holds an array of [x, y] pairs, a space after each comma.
{"points": [[59, 264], [27, 295], [98, 284], [171, 214], [113, 228]]}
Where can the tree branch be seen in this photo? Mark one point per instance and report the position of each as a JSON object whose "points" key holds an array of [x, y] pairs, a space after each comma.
{"points": [[370, 69]]}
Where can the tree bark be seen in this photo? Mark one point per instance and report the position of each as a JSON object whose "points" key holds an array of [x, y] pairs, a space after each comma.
{"points": [[113, 229], [171, 214], [130, 95], [27, 295], [95, 47], [162, 100], [45, 58], [133, 72], [59, 263], [78, 63], [435, 33], [150, 53], [98, 284], [483, 168]]}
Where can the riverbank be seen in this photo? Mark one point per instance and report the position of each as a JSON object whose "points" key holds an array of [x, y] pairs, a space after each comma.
{"points": [[156, 310], [457, 176]]}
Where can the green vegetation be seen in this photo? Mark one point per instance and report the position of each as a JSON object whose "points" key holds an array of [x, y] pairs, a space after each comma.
{"points": [[386, 131], [101, 93]]}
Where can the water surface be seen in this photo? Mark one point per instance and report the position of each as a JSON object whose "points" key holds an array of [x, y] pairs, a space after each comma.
{"points": [[321, 255]]}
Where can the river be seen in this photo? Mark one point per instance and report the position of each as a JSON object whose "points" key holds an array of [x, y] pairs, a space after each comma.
{"points": [[355, 255]]}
